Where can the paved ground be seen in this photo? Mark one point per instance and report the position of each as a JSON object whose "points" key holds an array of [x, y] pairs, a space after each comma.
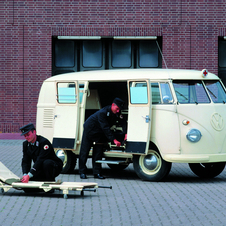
{"points": [[183, 199]]}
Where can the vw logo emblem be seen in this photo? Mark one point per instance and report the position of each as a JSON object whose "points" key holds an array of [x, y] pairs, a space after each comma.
{"points": [[217, 121]]}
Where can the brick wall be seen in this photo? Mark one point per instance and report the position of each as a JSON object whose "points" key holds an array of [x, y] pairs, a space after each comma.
{"points": [[189, 30]]}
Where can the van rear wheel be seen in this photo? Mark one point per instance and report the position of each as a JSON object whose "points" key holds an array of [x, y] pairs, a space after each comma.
{"points": [[207, 170], [151, 167], [68, 158]]}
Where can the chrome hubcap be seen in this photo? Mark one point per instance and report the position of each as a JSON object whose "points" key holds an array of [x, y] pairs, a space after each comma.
{"points": [[150, 162], [61, 155]]}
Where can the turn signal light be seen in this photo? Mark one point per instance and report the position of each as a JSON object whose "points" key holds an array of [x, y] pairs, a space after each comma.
{"points": [[186, 122]]}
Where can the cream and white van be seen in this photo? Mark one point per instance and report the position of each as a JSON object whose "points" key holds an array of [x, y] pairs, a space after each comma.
{"points": [[172, 116]]}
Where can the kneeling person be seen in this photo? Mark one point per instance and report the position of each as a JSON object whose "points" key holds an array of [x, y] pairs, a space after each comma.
{"points": [[38, 149]]}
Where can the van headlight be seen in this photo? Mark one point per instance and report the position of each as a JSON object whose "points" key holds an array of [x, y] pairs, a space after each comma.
{"points": [[194, 135]]}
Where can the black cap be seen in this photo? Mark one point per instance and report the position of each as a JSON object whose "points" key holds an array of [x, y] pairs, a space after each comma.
{"points": [[119, 102], [27, 128]]}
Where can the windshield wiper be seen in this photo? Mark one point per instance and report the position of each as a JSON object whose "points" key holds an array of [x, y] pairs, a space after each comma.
{"points": [[211, 92], [181, 95]]}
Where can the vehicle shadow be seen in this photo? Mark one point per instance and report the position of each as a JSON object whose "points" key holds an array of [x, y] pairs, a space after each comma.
{"points": [[193, 179], [117, 174], [57, 194], [177, 175]]}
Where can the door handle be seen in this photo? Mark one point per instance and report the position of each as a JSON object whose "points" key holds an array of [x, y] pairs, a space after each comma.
{"points": [[147, 118]]}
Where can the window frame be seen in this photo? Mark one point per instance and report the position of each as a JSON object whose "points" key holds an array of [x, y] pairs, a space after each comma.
{"points": [[58, 95]]}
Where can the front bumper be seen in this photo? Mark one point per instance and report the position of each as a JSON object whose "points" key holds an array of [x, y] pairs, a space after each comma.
{"points": [[195, 158]]}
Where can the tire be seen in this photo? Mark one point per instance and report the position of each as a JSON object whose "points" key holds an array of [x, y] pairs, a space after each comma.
{"points": [[68, 158], [151, 167], [207, 170]]}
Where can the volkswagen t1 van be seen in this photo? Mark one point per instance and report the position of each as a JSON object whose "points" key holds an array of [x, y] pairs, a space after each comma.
{"points": [[172, 116]]}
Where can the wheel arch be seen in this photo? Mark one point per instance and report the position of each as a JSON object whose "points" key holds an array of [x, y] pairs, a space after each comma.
{"points": [[153, 146]]}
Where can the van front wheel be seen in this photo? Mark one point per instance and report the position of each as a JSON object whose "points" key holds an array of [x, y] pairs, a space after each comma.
{"points": [[151, 167], [207, 170]]}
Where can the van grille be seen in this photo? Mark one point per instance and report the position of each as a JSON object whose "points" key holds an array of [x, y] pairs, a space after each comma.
{"points": [[48, 118]]}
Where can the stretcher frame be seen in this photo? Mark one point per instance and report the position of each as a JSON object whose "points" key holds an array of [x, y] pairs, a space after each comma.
{"points": [[9, 180]]}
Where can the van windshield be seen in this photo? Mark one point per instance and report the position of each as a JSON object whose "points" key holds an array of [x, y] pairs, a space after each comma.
{"points": [[190, 92], [216, 91]]}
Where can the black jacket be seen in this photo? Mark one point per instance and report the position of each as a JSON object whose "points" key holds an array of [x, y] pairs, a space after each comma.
{"points": [[99, 123], [40, 151]]}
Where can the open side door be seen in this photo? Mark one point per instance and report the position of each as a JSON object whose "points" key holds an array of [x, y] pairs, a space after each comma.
{"points": [[139, 117], [66, 115], [84, 92]]}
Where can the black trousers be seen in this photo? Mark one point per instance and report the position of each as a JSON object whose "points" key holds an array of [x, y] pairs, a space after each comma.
{"points": [[87, 143], [50, 170]]}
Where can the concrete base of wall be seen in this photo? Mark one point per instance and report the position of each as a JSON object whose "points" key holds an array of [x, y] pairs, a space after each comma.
{"points": [[11, 136]]}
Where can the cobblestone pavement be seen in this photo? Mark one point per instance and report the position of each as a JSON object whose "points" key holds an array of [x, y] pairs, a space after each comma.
{"points": [[183, 199]]}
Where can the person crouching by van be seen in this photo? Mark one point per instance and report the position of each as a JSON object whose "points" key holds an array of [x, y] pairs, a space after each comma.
{"points": [[38, 149], [97, 129]]}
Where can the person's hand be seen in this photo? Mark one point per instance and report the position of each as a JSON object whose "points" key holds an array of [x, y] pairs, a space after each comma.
{"points": [[125, 137], [25, 178], [117, 143]]}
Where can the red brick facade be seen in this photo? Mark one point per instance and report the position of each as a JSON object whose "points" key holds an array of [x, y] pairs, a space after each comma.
{"points": [[189, 30]]}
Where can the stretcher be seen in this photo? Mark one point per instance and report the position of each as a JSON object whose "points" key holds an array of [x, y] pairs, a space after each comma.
{"points": [[10, 180]]}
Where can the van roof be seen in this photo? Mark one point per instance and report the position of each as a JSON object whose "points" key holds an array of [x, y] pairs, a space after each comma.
{"points": [[130, 74]]}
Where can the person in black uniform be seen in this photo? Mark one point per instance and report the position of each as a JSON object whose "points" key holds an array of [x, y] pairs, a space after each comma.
{"points": [[97, 130], [38, 149]]}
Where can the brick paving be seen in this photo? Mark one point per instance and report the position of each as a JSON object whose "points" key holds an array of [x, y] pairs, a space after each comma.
{"points": [[183, 199]]}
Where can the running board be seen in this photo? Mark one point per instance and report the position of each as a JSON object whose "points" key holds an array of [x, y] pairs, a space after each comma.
{"points": [[115, 162]]}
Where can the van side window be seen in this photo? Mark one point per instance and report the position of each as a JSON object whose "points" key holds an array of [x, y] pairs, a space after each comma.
{"points": [[66, 93], [161, 93], [190, 92], [138, 93]]}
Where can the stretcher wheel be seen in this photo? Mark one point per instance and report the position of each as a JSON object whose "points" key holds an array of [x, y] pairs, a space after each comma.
{"points": [[2, 191]]}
